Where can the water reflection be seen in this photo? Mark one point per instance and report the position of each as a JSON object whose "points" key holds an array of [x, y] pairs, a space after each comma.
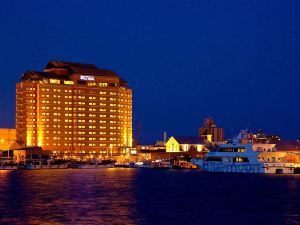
{"points": [[137, 196], [293, 204], [68, 196]]}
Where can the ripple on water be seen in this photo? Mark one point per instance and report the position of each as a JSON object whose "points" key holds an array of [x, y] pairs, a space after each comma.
{"points": [[147, 196]]}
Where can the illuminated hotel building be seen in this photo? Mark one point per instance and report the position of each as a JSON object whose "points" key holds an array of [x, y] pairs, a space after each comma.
{"points": [[74, 108]]}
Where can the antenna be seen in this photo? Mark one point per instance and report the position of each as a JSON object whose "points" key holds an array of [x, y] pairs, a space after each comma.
{"points": [[139, 126]]}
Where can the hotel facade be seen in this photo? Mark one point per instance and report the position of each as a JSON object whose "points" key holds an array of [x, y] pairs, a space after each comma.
{"points": [[74, 108]]}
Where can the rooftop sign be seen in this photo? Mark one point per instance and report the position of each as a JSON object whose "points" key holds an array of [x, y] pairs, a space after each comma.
{"points": [[88, 78]]}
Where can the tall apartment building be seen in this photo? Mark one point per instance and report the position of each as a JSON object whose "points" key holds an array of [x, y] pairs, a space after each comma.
{"points": [[210, 129], [74, 108]]}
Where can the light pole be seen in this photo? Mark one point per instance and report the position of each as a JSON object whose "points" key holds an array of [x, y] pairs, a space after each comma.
{"points": [[110, 150]]}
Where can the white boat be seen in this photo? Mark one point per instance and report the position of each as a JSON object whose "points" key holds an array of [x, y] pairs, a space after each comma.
{"points": [[244, 157], [32, 166], [161, 164], [92, 166], [8, 167]]}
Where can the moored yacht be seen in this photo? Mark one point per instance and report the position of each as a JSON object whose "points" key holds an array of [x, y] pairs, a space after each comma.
{"points": [[8, 167], [92, 164], [243, 156]]}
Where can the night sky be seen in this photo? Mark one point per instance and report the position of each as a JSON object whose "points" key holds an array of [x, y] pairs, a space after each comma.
{"points": [[237, 61]]}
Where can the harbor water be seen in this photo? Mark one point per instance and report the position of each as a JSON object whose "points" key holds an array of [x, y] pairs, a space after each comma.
{"points": [[147, 196]]}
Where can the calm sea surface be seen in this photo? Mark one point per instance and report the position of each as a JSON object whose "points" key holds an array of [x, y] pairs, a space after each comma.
{"points": [[147, 196]]}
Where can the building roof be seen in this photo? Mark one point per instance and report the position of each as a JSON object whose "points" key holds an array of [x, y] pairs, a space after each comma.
{"points": [[64, 70], [34, 75], [94, 72], [79, 68], [62, 64], [287, 145], [190, 140]]}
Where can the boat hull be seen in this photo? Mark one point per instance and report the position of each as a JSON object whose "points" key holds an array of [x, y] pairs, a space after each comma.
{"points": [[4, 167], [43, 167], [82, 166], [244, 167]]}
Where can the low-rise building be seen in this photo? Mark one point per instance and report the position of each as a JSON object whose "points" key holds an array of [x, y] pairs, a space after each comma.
{"points": [[185, 144]]}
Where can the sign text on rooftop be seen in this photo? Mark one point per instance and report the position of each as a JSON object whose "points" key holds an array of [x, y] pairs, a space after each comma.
{"points": [[85, 77]]}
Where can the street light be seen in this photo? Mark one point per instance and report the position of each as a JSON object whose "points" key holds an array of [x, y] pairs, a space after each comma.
{"points": [[111, 150]]}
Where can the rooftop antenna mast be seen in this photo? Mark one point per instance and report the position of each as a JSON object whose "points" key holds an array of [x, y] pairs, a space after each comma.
{"points": [[139, 127]]}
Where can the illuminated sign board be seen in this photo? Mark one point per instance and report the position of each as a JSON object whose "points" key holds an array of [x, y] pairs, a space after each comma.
{"points": [[89, 78]]}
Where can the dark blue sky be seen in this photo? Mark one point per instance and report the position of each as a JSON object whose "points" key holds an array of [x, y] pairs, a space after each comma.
{"points": [[237, 61]]}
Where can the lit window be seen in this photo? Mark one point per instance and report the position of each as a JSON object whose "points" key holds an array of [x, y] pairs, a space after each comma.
{"points": [[68, 82], [103, 84], [54, 81]]}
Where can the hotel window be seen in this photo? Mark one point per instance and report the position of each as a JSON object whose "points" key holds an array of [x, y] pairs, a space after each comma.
{"points": [[102, 127], [113, 84], [102, 121], [102, 133], [103, 84], [102, 115], [102, 99], [54, 81], [91, 84], [102, 92], [92, 115], [68, 82]]}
